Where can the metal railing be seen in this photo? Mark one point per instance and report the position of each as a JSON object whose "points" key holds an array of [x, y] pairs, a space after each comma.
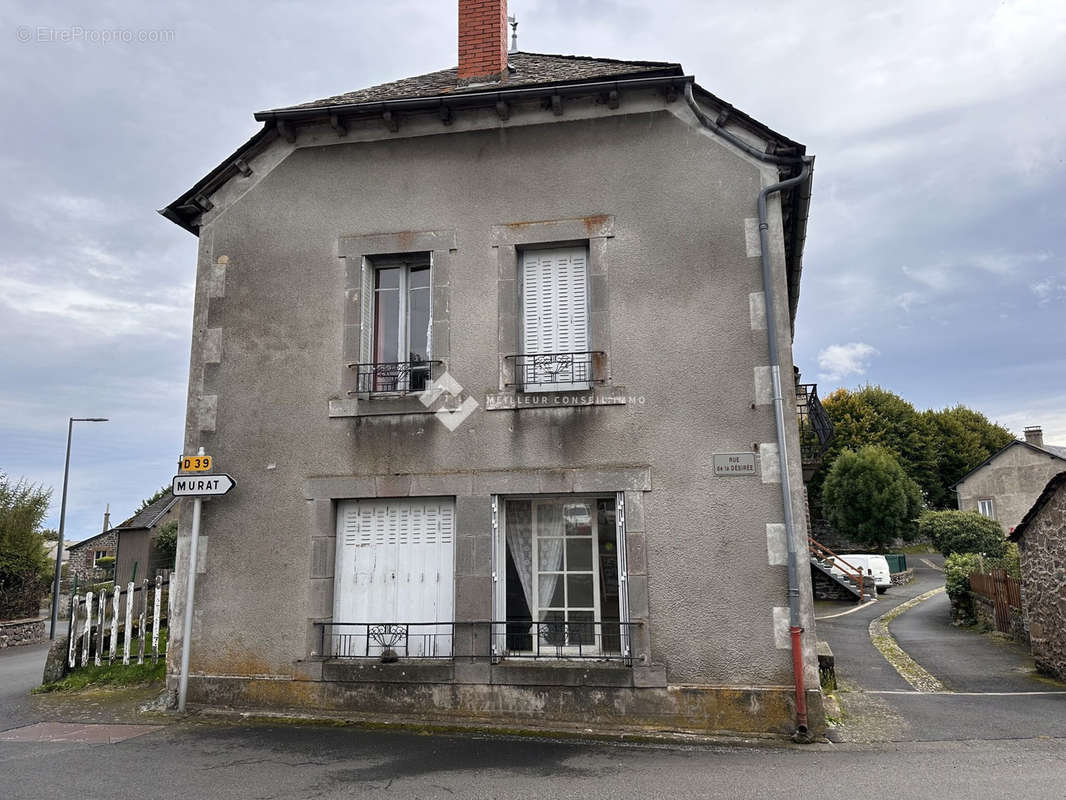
{"points": [[815, 426], [607, 640], [823, 553], [393, 377], [535, 370]]}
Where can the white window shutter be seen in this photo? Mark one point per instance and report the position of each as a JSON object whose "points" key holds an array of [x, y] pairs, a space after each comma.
{"points": [[554, 309], [366, 301]]}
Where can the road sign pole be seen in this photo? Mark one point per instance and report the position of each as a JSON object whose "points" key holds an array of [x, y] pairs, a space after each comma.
{"points": [[190, 594]]}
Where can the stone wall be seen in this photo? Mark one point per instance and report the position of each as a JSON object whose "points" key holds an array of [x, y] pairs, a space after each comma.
{"points": [[22, 631], [81, 558], [900, 578], [984, 611], [1043, 557]]}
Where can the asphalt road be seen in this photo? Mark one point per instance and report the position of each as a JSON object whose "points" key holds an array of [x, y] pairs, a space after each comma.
{"points": [[990, 681], [20, 670]]}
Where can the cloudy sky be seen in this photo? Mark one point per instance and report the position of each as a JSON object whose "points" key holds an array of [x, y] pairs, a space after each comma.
{"points": [[934, 265]]}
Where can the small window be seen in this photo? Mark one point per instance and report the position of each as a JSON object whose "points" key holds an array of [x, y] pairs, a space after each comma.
{"points": [[555, 321], [397, 342], [984, 506]]}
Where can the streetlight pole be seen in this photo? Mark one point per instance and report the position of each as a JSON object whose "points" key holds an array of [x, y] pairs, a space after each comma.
{"points": [[62, 522]]}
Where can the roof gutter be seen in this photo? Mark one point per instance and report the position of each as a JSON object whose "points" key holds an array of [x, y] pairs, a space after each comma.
{"points": [[475, 98], [803, 163]]}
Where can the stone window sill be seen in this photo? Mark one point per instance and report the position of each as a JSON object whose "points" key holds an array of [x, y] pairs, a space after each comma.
{"points": [[515, 400]]}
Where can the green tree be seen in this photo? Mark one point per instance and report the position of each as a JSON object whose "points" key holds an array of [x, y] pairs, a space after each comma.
{"points": [[964, 439], [149, 500], [869, 498], [23, 566], [935, 448], [165, 544], [963, 532]]}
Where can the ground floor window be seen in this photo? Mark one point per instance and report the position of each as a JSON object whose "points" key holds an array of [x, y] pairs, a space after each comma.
{"points": [[395, 578], [560, 567]]}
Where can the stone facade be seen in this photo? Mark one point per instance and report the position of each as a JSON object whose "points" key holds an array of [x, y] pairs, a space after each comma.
{"points": [[83, 554], [1042, 541], [22, 631], [1011, 480]]}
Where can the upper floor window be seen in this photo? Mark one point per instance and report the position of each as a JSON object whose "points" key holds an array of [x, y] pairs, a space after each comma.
{"points": [[555, 321], [396, 353], [984, 506]]}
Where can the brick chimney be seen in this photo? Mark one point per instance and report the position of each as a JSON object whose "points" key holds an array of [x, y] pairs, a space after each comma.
{"points": [[1034, 435], [482, 40]]}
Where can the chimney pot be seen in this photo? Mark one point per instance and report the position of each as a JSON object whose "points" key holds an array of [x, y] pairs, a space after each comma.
{"points": [[1034, 435], [482, 40]]}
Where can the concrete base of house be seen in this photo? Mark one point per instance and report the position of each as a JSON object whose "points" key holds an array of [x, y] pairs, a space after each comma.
{"points": [[425, 692]]}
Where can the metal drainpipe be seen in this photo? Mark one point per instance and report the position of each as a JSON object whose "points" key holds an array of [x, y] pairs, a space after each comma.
{"points": [[795, 629]]}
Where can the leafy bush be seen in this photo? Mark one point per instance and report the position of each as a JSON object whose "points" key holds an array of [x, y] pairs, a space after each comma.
{"points": [[963, 532], [957, 569], [24, 570], [869, 498], [165, 544]]}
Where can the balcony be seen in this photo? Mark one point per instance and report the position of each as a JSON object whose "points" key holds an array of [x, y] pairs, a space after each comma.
{"points": [[815, 428], [494, 641], [557, 372], [393, 379]]}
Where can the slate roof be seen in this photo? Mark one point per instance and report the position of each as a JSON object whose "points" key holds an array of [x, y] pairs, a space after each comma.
{"points": [[147, 516], [525, 69], [1052, 450]]}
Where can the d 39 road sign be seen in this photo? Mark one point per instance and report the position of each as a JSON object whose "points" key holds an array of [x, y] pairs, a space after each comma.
{"points": [[202, 485]]}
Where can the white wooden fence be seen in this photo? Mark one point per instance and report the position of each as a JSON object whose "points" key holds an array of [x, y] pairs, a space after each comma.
{"points": [[92, 616]]}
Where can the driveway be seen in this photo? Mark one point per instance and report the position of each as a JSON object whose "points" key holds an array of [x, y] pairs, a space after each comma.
{"points": [[993, 690]]}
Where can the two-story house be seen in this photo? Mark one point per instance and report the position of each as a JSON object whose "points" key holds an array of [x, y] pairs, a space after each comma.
{"points": [[494, 355], [1005, 485]]}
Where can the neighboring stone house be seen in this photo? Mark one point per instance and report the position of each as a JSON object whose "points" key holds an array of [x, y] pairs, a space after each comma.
{"points": [[1041, 538], [487, 353], [82, 556], [136, 557], [1005, 485]]}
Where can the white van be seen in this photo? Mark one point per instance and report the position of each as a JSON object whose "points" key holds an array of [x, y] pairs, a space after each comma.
{"points": [[874, 566]]}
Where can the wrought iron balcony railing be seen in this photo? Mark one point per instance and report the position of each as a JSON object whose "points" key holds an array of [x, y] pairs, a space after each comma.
{"points": [[815, 427], [558, 371], [483, 640], [394, 377]]}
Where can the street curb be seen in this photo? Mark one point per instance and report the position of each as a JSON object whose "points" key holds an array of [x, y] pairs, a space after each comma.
{"points": [[909, 669], [368, 722]]}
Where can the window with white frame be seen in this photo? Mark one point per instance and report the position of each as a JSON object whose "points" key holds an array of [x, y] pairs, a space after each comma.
{"points": [[561, 592], [555, 320], [397, 319], [984, 507]]}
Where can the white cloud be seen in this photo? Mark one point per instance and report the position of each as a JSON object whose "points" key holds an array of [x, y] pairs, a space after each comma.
{"points": [[1050, 289], [838, 361]]}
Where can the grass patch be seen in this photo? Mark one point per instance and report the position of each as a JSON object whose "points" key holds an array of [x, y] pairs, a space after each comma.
{"points": [[109, 675]]}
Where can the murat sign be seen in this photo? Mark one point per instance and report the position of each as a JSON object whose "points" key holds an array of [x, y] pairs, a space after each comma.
{"points": [[202, 485]]}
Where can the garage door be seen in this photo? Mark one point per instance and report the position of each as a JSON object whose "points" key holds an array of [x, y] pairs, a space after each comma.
{"points": [[395, 566]]}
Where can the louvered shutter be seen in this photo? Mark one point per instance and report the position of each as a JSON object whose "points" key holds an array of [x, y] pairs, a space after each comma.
{"points": [[366, 314], [554, 314], [396, 564]]}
